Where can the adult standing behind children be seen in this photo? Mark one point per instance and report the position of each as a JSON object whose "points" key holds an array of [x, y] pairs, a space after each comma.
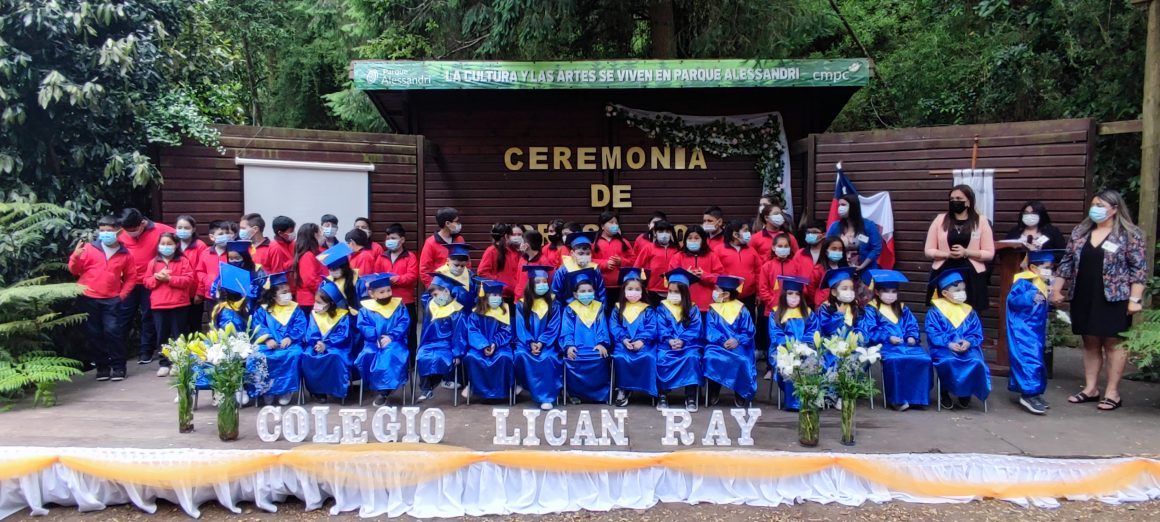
{"points": [[961, 238], [140, 236]]}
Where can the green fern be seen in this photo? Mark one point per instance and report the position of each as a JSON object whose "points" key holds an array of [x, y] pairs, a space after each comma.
{"points": [[1143, 344], [41, 371]]}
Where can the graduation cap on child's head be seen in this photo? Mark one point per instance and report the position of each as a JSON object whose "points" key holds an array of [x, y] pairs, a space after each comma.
{"points": [[235, 279], [1039, 257], [950, 277], [584, 275], [887, 278], [238, 246], [375, 281], [458, 250], [791, 283], [491, 286], [444, 281], [631, 274], [333, 292], [730, 283], [275, 279], [837, 275], [335, 256], [579, 239], [680, 276], [535, 271]]}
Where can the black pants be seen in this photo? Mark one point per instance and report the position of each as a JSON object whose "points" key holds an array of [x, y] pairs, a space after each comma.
{"points": [[106, 347], [137, 304], [655, 298], [413, 332], [194, 315], [611, 299], [167, 325]]}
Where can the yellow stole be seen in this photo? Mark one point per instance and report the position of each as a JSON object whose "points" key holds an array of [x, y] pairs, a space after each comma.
{"points": [[728, 310], [282, 313], [499, 314], [887, 312], [540, 307], [464, 278], [955, 313], [439, 312], [232, 305], [673, 309], [633, 310], [793, 313], [386, 310], [570, 265], [587, 314], [326, 322], [1034, 278]]}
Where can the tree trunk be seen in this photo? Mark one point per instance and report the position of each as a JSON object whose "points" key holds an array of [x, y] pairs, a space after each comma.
{"points": [[255, 107], [661, 29]]}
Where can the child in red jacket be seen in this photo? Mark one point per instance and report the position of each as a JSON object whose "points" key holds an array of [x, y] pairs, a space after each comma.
{"points": [[169, 279], [108, 274]]}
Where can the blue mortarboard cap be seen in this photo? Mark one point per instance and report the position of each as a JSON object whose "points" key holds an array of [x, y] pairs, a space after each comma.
{"points": [[838, 275], [380, 280], [949, 277], [795, 284], [682, 276], [581, 238], [334, 293], [535, 271], [335, 256], [1043, 256], [887, 278], [458, 250], [491, 286], [235, 279], [444, 281], [586, 275], [631, 274], [729, 283], [279, 278], [238, 246]]}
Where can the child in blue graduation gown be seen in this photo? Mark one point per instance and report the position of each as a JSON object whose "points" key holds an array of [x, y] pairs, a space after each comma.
{"points": [[538, 367], [585, 339], [444, 337], [1027, 331], [633, 326], [336, 259], [787, 323], [489, 361], [455, 269], [233, 310], [839, 316], [327, 359], [238, 254], [730, 355], [281, 329], [383, 323], [580, 245], [905, 364], [679, 340], [955, 335]]}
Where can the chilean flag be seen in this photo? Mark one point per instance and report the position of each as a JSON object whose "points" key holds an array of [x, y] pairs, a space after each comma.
{"points": [[876, 208]]}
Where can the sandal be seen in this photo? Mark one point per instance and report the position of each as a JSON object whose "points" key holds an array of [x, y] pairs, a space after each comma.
{"points": [[1082, 397], [1111, 405]]}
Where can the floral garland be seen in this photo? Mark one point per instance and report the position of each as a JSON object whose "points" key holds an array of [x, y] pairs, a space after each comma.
{"points": [[716, 135]]}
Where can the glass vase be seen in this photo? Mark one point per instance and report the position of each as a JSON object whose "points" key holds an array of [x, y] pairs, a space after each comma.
{"points": [[184, 411], [808, 426], [848, 408], [227, 420]]}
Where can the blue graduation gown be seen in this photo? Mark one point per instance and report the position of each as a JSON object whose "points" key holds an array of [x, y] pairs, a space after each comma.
{"points": [[490, 376], [635, 370], [282, 364], [735, 369], [219, 318], [1026, 336], [258, 276], [588, 376], [779, 335], [464, 294], [562, 288], [905, 368], [442, 340], [383, 368], [961, 374], [542, 375], [830, 322], [678, 368], [328, 373]]}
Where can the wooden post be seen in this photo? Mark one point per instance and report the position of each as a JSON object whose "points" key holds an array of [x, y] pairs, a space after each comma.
{"points": [[1150, 153]]}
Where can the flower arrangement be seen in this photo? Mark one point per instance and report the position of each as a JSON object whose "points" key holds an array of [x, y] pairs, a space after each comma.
{"points": [[184, 353], [232, 361], [802, 365], [850, 375]]}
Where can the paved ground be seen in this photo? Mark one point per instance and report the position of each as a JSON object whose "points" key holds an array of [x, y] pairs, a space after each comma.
{"points": [[139, 412]]}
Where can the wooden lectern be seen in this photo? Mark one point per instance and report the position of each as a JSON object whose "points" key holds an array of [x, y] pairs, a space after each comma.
{"points": [[1011, 255]]}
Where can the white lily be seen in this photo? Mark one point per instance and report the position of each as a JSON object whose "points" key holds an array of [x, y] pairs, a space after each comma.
{"points": [[1062, 316], [804, 350], [869, 355]]}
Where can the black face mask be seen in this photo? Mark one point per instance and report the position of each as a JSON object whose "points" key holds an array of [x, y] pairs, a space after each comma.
{"points": [[236, 263], [383, 302], [958, 206]]}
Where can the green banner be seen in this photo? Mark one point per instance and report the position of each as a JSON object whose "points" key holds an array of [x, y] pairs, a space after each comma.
{"points": [[374, 75]]}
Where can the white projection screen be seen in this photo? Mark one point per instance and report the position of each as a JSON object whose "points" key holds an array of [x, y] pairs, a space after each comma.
{"points": [[305, 191]]}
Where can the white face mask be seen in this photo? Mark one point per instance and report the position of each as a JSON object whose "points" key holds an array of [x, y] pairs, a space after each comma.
{"points": [[674, 297], [793, 301], [583, 259], [846, 296], [888, 297], [516, 240], [320, 308], [443, 299], [336, 273], [456, 227], [663, 238], [843, 210], [456, 269], [1031, 220], [632, 296], [959, 296], [716, 296], [1045, 273], [284, 298], [709, 227], [777, 219]]}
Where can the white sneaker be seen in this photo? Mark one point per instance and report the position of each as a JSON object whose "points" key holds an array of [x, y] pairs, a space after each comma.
{"points": [[283, 400], [163, 371], [450, 385], [215, 400], [545, 406], [466, 393], [519, 390], [425, 396]]}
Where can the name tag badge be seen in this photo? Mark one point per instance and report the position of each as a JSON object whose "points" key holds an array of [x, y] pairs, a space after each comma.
{"points": [[1041, 241], [863, 239], [1110, 247], [976, 234]]}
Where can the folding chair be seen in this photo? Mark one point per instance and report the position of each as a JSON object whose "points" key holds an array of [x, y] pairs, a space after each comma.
{"points": [[938, 393]]}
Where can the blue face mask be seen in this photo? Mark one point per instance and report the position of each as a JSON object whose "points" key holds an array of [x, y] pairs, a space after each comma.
{"points": [[244, 234], [183, 234], [693, 246], [166, 250], [494, 301], [107, 237], [392, 244], [745, 237], [812, 239], [1098, 214], [221, 239], [326, 231], [613, 229], [585, 297], [834, 256], [541, 288], [782, 252]]}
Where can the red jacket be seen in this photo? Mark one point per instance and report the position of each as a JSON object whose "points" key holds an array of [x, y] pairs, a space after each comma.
{"points": [[365, 262], [271, 257], [206, 271], [710, 265], [285, 251], [553, 256], [143, 248], [522, 277], [173, 293], [489, 268], [606, 248], [769, 288], [311, 273], [817, 291], [406, 268], [104, 278], [741, 262], [656, 260], [642, 242], [434, 255], [193, 253], [762, 243]]}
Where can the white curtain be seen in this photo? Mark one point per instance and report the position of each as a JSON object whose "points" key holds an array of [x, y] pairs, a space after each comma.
{"points": [[982, 181]]}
